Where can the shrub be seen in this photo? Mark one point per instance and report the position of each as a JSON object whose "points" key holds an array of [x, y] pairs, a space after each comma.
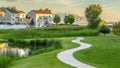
{"points": [[104, 30]]}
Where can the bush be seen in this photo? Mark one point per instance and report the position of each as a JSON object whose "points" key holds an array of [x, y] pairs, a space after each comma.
{"points": [[104, 30], [4, 61]]}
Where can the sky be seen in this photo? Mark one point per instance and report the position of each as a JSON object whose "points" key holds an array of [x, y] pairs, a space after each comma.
{"points": [[111, 8]]}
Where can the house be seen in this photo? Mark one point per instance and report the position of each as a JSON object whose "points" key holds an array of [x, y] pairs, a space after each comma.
{"points": [[41, 18], [11, 15], [21, 17], [15, 16], [82, 21], [2, 16]]}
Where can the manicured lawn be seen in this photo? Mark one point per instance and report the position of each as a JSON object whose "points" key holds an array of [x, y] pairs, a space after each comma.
{"points": [[104, 53], [46, 60]]}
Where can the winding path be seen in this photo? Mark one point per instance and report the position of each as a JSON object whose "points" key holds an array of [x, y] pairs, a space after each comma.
{"points": [[68, 58]]}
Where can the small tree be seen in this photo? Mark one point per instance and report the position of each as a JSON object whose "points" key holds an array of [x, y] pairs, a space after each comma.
{"points": [[104, 30], [66, 19], [57, 19], [71, 18], [32, 23], [116, 28], [92, 14]]}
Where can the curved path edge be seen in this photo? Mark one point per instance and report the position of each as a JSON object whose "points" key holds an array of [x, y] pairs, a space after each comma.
{"points": [[68, 58]]}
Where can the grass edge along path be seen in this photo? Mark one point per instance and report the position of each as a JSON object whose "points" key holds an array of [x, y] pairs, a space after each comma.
{"points": [[46, 60], [104, 52]]}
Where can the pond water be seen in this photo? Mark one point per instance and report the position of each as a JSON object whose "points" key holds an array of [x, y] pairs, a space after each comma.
{"points": [[12, 26], [6, 50]]}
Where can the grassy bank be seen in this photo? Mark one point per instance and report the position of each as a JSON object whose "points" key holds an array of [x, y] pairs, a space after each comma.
{"points": [[46, 60], [104, 53], [50, 32]]}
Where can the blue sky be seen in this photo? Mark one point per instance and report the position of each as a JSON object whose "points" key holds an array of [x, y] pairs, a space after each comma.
{"points": [[111, 8]]}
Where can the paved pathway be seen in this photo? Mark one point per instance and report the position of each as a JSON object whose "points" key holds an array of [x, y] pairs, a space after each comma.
{"points": [[68, 58]]}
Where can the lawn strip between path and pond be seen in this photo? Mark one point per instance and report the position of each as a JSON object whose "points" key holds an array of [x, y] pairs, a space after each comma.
{"points": [[46, 60]]}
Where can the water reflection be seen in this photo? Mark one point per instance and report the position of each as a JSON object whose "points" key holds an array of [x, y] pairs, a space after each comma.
{"points": [[13, 52]]}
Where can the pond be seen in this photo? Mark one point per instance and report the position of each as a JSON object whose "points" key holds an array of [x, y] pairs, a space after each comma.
{"points": [[6, 50], [12, 26]]}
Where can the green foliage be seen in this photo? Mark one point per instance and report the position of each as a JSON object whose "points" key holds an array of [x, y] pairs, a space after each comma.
{"points": [[92, 14], [66, 19], [116, 28], [5, 61], [37, 46], [104, 30], [104, 52], [71, 18], [56, 19], [50, 32], [32, 23]]}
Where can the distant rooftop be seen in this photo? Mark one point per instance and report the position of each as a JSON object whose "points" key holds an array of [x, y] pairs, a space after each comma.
{"points": [[12, 10], [42, 11]]}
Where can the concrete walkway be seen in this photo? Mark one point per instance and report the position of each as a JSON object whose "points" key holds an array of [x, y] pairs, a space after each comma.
{"points": [[68, 58]]}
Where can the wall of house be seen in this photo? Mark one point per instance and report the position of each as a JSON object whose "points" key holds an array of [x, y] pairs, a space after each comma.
{"points": [[8, 16], [14, 17], [22, 15], [32, 15]]}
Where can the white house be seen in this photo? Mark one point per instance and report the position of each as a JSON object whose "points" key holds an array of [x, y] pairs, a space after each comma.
{"points": [[41, 17]]}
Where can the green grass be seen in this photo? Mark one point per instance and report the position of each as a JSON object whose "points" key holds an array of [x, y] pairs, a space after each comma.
{"points": [[46, 60], [50, 32], [104, 53], [5, 61]]}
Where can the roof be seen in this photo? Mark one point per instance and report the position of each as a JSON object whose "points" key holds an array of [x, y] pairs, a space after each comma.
{"points": [[2, 10], [20, 11], [12, 10], [42, 11]]}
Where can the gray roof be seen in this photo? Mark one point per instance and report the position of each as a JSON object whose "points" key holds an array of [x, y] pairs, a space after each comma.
{"points": [[1, 9], [12, 10]]}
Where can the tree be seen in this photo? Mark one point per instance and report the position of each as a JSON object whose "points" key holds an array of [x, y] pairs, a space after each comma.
{"points": [[47, 9], [56, 19], [104, 30], [116, 28], [32, 23], [40, 9], [14, 8], [92, 14], [71, 18], [66, 19]]}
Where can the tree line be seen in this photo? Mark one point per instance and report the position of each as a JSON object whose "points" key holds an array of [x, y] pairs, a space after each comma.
{"points": [[68, 19]]}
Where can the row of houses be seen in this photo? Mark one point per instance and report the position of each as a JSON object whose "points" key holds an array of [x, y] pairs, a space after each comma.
{"points": [[40, 17], [15, 16]]}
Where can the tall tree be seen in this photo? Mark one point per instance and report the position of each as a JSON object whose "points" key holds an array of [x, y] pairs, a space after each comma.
{"points": [[66, 19], [56, 19], [92, 14], [71, 18]]}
